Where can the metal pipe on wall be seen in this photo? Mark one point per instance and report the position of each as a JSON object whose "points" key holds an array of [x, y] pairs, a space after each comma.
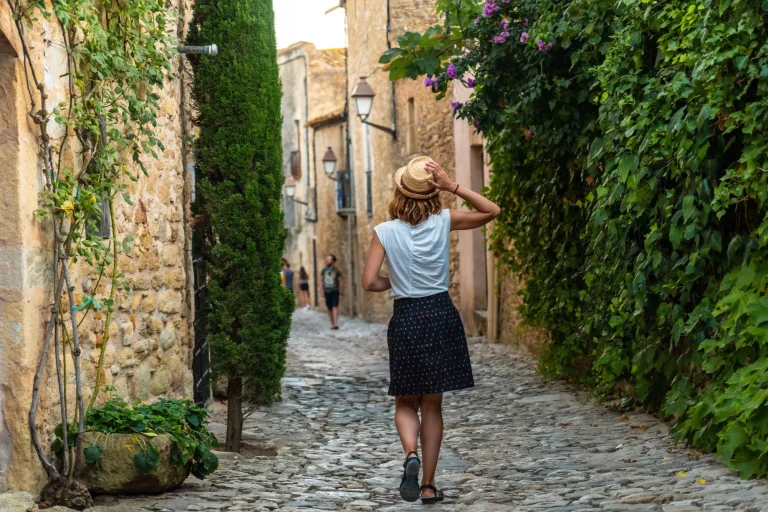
{"points": [[351, 227], [391, 82], [314, 263]]}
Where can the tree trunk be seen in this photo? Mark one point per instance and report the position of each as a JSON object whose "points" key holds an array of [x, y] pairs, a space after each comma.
{"points": [[234, 414]]}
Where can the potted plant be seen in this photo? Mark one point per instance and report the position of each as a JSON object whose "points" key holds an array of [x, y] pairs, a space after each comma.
{"points": [[143, 448]]}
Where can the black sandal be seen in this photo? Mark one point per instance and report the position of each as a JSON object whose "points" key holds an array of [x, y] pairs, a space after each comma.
{"points": [[439, 496], [409, 485]]}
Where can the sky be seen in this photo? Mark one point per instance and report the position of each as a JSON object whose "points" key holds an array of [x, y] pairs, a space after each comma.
{"points": [[305, 20]]}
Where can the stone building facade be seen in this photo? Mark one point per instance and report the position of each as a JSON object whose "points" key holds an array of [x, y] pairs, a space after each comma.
{"points": [[149, 352], [314, 121], [343, 210]]}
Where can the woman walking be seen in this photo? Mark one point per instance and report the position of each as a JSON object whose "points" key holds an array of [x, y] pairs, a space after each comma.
{"points": [[304, 288], [428, 352]]}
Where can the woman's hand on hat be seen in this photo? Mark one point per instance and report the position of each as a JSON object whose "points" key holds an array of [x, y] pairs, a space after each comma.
{"points": [[440, 179]]}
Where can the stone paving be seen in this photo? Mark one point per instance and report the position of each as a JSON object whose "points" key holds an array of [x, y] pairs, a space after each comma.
{"points": [[512, 443]]}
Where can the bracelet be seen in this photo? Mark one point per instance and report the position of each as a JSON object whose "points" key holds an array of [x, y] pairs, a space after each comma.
{"points": [[457, 189]]}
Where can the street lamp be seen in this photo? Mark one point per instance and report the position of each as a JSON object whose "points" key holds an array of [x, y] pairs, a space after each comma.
{"points": [[329, 163], [290, 191], [363, 95]]}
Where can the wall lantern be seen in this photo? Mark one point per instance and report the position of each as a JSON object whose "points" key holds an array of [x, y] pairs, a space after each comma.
{"points": [[329, 163], [363, 95], [290, 191]]}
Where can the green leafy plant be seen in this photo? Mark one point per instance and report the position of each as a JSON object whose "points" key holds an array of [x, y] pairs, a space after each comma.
{"points": [[628, 142], [182, 420], [240, 232], [117, 56]]}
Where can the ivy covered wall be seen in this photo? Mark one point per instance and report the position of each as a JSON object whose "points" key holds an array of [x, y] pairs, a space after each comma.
{"points": [[628, 143]]}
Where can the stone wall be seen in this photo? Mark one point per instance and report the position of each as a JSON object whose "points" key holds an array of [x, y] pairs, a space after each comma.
{"points": [[511, 329], [326, 84], [149, 350]]}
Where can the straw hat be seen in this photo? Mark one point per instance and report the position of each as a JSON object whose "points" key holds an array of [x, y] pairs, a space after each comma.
{"points": [[413, 179]]}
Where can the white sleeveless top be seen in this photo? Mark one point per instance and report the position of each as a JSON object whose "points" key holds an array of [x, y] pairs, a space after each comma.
{"points": [[417, 256]]}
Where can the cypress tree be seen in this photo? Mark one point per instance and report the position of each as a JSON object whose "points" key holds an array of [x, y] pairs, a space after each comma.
{"points": [[238, 163]]}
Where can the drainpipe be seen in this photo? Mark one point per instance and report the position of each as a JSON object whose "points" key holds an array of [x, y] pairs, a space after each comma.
{"points": [[314, 174], [314, 269], [351, 224], [391, 82], [310, 162], [189, 279]]}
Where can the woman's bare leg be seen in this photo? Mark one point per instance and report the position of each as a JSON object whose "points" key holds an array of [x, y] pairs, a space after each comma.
{"points": [[407, 421], [431, 437]]}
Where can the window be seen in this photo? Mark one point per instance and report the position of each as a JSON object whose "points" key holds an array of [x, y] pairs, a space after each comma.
{"points": [[296, 155], [295, 165], [100, 225], [289, 213], [410, 141], [344, 191]]}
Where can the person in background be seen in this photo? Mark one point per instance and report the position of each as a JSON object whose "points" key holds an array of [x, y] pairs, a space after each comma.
{"points": [[332, 289], [287, 276], [304, 288]]}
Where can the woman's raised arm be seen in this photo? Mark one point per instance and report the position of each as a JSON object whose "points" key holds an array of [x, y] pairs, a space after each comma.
{"points": [[485, 209]]}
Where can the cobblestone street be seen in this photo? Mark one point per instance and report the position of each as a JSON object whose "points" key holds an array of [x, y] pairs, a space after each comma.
{"points": [[513, 442]]}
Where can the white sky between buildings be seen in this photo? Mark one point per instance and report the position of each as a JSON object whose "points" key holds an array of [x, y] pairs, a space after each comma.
{"points": [[305, 20]]}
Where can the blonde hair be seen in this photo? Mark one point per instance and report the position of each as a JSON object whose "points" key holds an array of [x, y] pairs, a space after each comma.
{"points": [[413, 211]]}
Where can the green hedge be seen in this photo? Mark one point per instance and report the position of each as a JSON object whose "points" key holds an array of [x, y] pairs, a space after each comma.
{"points": [[238, 158], [629, 159]]}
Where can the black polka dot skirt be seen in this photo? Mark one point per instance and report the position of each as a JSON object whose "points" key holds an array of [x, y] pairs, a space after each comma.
{"points": [[427, 347]]}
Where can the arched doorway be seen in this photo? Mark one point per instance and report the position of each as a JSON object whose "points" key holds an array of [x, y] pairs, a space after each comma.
{"points": [[11, 276]]}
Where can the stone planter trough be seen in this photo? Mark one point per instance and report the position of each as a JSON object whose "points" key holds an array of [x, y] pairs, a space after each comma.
{"points": [[116, 473]]}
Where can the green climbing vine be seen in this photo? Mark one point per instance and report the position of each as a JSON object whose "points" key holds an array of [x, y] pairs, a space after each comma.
{"points": [[118, 54], [628, 140]]}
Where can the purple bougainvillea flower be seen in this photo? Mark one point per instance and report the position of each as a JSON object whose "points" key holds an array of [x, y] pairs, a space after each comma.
{"points": [[490, 8], [451, 71], [477, 20], [455, 105], [524, 37], [428, 82], [470, 83], [542, 45]]}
